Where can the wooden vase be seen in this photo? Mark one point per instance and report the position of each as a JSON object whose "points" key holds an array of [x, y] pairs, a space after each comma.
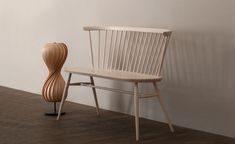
{"points": [[54, 56]]}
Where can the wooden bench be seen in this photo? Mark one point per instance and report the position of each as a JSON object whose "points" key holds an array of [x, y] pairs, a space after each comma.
{"points": [[129, 54]]}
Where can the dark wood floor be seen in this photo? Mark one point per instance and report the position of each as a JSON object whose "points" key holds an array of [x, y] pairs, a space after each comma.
{"points": [[22, 121]]}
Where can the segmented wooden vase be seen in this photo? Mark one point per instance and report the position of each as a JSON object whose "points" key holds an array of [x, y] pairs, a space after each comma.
{"points": [[54, 56]]}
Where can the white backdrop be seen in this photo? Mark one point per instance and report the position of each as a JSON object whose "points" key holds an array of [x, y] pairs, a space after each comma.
{"points": [[199, 80]]}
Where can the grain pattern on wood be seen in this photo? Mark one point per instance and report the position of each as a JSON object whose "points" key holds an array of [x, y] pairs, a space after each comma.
{"points": [[54, 56], [22, 122]]}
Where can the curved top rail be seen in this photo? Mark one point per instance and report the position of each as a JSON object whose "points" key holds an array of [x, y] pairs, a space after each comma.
{"points": [[123, 28]]}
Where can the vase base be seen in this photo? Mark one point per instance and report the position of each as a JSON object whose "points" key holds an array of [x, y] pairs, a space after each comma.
{"points": [[54, 114]]}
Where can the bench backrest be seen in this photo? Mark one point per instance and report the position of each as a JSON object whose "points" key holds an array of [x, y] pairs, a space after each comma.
{"points": [[131, 49]]}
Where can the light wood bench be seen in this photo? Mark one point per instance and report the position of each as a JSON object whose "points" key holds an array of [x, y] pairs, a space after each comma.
{"points": [[129, 54]]}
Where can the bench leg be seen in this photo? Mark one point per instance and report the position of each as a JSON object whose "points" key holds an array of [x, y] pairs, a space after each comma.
{"points": [[95, 96], [163, 107], [65, 93], [136, 108]]}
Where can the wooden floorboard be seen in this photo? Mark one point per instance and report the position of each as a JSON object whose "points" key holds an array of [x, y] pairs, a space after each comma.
{"points": [[22, 121]]}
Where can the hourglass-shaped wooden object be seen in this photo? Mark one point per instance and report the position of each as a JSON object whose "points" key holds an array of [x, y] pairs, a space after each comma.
{"points": [[54, 56]]}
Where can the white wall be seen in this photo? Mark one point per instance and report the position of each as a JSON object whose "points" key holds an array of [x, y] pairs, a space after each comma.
{"points": [[199, 79]]}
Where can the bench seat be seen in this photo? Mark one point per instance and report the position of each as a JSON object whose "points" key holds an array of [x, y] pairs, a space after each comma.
{"points": [[114, 74]]}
